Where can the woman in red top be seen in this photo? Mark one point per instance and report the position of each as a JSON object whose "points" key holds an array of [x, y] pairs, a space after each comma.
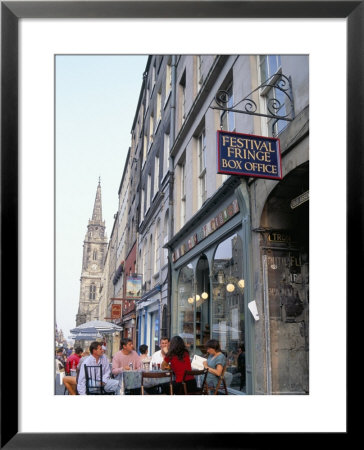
{"points": [[178, 359]]}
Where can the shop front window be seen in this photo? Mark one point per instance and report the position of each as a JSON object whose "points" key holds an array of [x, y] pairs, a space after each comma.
{"points": [[186, 305], [202, 305], [228, 322]]}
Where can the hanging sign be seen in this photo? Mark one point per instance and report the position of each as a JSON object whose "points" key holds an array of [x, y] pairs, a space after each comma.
{"points": [[115, 311], [248, 155], [133, 287]]}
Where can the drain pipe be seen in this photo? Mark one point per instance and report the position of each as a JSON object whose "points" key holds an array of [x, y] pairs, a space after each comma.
{"points": [[170, 194]]}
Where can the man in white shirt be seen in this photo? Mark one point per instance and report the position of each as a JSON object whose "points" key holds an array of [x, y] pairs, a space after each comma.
{"points": [[98, 358], [159, 355]]}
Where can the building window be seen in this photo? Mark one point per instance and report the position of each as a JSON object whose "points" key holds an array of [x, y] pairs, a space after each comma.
{"points": [[185, 304], [151, 131], [201, 147], [182, 193], [145, 148], [228, 326], [153, 76], [156, 175], [199, 79], [182, 99], [158, 116], [270, 68], [94, 255], [168, 81], [148, 193], [166, 154], [227, 117], [146, 101], [142, 205], [92, 294], [165, 240], [156, 260]]}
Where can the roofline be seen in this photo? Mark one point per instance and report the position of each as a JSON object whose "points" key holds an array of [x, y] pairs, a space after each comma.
{"points": [[141, 91]]}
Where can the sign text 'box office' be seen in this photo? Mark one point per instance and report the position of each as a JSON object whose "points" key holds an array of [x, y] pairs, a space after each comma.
{"points": [[248, 155]]}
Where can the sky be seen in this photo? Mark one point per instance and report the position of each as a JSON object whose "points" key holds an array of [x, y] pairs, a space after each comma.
{"points": [[96, 99]]}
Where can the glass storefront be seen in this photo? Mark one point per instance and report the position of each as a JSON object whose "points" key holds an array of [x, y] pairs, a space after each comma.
{"points": [[228, 307], [211, 305]]}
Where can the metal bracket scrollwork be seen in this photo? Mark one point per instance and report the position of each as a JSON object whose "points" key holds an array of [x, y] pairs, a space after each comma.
{"points": [[276, 109]]}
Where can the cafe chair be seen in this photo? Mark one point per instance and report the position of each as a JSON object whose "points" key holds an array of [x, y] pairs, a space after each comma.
{"points": [[157, 375], [221, 384], [93, 375], [202, 390]]}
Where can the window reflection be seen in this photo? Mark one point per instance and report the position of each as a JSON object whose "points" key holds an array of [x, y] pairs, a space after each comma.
{"points": [[186, 304], [228, 307]]}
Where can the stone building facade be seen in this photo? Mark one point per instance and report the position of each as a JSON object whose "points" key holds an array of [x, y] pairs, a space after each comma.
{"points": [[93, 261]]}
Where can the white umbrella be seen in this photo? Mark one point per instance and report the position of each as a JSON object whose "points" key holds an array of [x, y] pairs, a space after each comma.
{"points": [[96, 326], [86, 337]]}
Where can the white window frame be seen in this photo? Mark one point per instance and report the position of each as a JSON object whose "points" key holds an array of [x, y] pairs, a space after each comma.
{"points": [[182, 193], [156, 176], [228, 116], [168, 86], [166, 154], [201, 155], [148, 191], [269, 92]]}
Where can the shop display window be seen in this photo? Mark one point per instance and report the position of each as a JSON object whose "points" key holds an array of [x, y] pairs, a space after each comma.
{"points": [[228, 321]]}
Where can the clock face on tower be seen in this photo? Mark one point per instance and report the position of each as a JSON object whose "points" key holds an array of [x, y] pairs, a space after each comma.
{"points": [[94, 267]]}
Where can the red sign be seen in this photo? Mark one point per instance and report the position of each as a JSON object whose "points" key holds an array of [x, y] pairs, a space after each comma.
{"points": [[115, 311]]}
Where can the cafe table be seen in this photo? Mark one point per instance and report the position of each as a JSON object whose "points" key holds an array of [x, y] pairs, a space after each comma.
{"points": [[132, 379]]}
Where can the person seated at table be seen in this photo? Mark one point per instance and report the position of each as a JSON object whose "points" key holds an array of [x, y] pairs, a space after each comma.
{"points": [[97, 358], [74, 359], [124, 357], [143, 351], [70, 381], [158, 356], [60, 362], [178, 359], [215, 363]]}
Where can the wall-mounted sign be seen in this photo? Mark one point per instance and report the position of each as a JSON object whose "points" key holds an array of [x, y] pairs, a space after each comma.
{"points": [[116, 311], [211, 226], [248, 155], [300, 199], [133, 287]]}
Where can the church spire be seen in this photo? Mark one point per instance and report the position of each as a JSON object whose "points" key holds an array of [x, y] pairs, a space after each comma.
{"points": [[97, 213]]}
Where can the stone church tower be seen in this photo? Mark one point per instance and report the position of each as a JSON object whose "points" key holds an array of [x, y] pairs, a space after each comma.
{"points": [[94, 250]]}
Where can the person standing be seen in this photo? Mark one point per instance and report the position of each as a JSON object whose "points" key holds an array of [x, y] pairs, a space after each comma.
{"points": [[158, 356], [97, 358], [215, 363]]}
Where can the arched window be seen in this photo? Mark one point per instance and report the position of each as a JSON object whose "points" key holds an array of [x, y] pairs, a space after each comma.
{"points": [[228, 316], [94, 255]]}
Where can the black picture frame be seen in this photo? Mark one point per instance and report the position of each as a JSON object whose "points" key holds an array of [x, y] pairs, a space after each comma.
{"points": [[11, 12]]}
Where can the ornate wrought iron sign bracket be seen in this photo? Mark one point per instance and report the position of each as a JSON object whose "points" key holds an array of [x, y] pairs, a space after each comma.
{"points": [[278, 107]]}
